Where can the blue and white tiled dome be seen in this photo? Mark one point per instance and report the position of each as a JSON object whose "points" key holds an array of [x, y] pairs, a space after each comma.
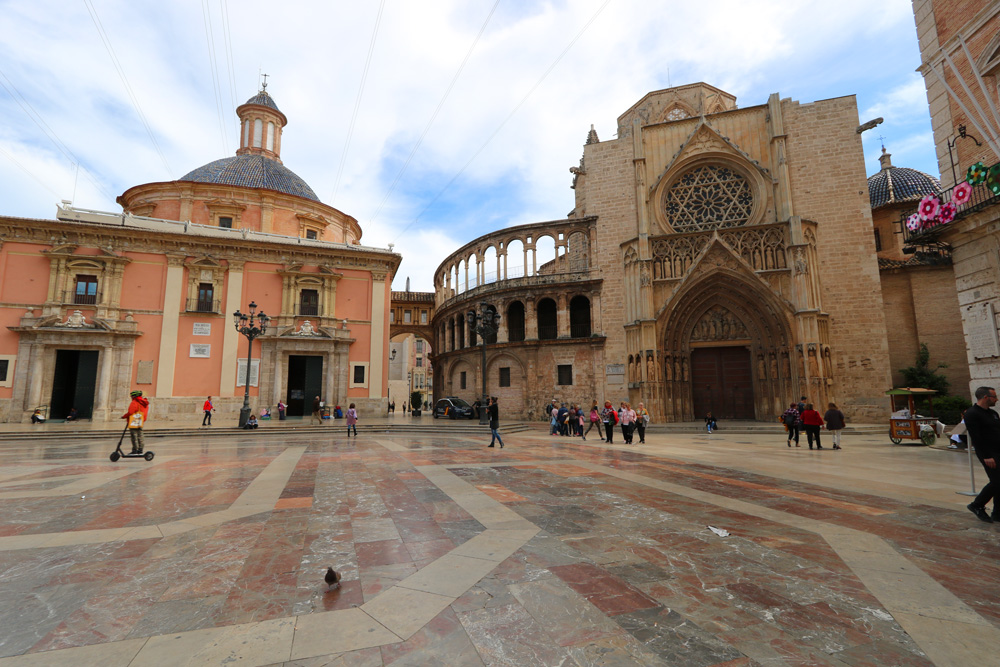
{"points": [[896, 185], [252, 171], [263, 99]]}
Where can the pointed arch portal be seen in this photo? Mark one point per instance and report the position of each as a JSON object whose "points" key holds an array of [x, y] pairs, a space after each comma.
{"points": [[725, 348]]}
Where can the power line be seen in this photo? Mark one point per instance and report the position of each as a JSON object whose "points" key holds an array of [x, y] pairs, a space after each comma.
{"points": [[37, 119], [213, 65], [121, 74], [357, 102], [509, 116], [28, 172], [434, 116], [227, 34]]}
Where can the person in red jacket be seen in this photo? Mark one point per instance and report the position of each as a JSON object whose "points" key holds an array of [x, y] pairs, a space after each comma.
{"points": [[138, 411], [208, 408], [812, 422]]}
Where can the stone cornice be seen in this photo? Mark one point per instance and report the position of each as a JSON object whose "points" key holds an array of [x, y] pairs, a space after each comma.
{"points": [[130, 239]]}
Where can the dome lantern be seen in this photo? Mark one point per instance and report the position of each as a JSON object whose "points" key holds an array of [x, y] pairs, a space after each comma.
{"points": [[261, 123]]}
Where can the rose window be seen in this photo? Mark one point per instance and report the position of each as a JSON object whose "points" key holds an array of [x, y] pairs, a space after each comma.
{"points": [[708, 197], [677, 114]]}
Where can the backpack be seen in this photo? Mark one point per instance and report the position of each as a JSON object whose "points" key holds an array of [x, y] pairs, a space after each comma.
{"points": [[788, 419]]}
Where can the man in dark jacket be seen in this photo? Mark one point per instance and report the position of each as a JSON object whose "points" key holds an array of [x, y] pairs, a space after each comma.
{"points": [[494, 413], [983, 425], [561, 419]]}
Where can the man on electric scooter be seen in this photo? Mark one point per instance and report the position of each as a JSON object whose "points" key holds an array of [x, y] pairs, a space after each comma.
{"points": [[138, 411]]}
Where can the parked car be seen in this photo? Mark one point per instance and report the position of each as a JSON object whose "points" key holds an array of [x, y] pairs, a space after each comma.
{"points": [[453, 407]]}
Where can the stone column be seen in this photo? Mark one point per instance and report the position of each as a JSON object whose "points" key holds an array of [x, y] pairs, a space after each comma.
{"points": [[530, 320], [230, 336], [173, 292], [37, 374], [562, 317], [378, 338], [103, 399]]}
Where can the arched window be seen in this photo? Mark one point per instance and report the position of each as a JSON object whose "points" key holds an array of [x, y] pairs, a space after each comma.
{"points": [[473, 336], [548, 324], [270, 136], [451, 334], [257, 130], [460, 324], [579, 317], [708, 197], [246, 133], [515, 322]]}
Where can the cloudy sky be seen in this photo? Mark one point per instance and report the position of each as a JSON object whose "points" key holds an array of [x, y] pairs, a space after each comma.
{"points": [[470, 111]]}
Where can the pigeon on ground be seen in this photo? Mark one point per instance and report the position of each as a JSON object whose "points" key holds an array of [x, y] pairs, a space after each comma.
{"points": [[332, 578]]}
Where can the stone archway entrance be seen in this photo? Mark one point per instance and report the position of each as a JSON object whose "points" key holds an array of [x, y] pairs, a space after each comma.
{"points": [[726, 341]]}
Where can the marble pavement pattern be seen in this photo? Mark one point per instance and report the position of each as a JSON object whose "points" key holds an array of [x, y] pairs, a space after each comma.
{"points": [[548, 552]]}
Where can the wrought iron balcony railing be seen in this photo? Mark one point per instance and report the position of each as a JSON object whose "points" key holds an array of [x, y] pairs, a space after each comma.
{"points": [[982, 197], [81, 299], [203, 305]]}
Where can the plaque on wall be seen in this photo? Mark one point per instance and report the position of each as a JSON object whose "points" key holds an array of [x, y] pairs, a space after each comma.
{"points": [[241, 372], [144, 373], [615, 369], [200, 350], [981, 325], [201, 328]]}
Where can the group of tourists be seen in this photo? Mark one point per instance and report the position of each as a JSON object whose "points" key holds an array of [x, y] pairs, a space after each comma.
{"points": [[574, 421], [802, 417]]}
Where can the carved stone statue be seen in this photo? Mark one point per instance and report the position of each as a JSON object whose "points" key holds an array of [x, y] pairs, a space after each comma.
{"points": [[813, 362], [684, 366], [827, 362], [774, 365], [761, 368], [650, 366], [678, 374], [668, 369], [786, 366]]}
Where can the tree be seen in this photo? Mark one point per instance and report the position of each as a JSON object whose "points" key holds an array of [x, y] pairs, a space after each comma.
{"points": [[922, 375]]}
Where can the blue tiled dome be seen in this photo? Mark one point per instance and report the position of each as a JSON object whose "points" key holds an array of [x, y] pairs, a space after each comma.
{"points": [[263, 99], [896, 185], [252, 171]]}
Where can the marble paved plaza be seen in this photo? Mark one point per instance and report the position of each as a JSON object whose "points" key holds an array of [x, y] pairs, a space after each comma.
{"points": [[550, 551]]}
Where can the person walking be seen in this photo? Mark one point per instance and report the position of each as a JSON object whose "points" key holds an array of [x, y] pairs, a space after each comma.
{"points": [[628, 420], [792, 421], [208, 408], [315, 412], [494, 412], [610, 418], [561, 419], [835, 422], [983, 427], [641, 420], [595, 420], [554, 419], [352, 421], [137, 413], [812, 422], [580, 420], [281, 410]]}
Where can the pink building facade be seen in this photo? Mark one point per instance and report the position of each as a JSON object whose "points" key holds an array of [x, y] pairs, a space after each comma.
{"points": [[93, 305]]}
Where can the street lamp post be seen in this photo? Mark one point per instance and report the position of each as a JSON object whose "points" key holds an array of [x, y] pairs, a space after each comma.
{"points": [[488, 324], [244, 323], [388, 391]]}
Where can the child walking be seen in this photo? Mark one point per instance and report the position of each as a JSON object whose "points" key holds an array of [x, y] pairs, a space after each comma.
{"points": [[352, 420]]}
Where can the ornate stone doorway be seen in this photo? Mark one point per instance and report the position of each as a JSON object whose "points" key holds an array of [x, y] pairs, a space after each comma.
{"points": [[305, 381], [74, 384], [722, 382]]}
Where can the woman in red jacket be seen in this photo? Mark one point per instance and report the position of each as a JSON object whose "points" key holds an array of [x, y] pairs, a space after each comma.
{"points": [[812, 421]]}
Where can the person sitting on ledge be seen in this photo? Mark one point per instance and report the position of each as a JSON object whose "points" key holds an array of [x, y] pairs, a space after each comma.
{"points": [[251, 422], [73, 415], [37, 417]]}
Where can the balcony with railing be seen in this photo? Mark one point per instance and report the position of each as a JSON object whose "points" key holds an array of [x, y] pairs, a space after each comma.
{"points": [[81, 298], [980, 196], [308, 309], [200, 305]]}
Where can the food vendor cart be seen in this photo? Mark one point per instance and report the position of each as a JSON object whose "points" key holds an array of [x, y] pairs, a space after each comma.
{"points": [[904, 423]]}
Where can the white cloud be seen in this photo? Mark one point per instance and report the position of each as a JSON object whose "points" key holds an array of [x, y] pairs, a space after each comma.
{"points": [[315, 53]]}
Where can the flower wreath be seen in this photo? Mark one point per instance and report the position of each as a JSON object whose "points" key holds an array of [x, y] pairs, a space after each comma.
{"points": [[961, 194], [929, 207]]}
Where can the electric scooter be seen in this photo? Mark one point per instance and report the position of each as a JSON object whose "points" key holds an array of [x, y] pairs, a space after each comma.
{"points": [[119, 454]]}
